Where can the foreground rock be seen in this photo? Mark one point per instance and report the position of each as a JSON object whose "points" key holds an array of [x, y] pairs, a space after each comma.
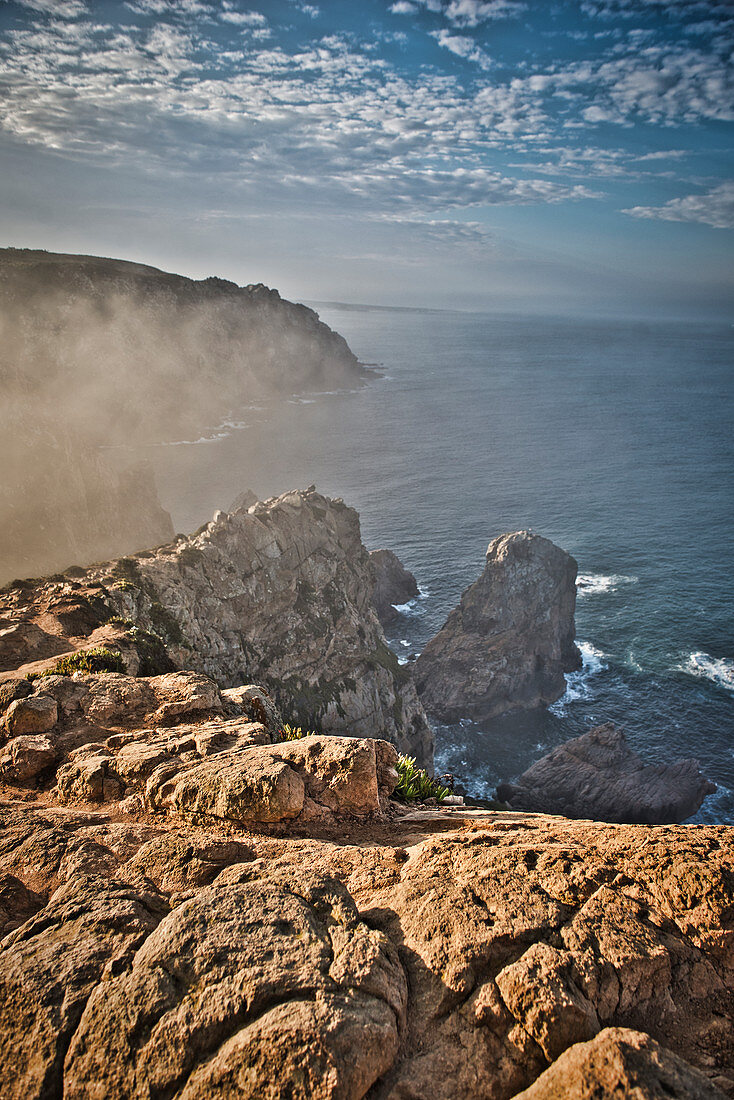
{"points": [[511, 639], [394, 584], [620, 1062], [598, 776], [278, 595], [567, 959]]}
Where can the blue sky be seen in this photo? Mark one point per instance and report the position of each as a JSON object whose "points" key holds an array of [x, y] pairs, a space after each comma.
{"points": [[491, 154]]}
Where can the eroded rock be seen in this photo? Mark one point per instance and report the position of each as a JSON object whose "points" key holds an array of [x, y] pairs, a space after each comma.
{"points": [[511, 639], [394, 584], [598, 776], [33, 714]]}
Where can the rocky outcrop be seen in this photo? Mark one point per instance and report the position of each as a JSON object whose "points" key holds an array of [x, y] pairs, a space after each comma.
{"points": [[510, 640], [98, 353], [394, 584], [278, 595], [598, 776], [620, 1062], [431, 956]]}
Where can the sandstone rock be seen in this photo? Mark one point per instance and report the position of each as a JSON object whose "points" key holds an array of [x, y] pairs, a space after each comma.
{"points": [[510, 640], [34, 714], [394, 584], [620, 1063], [257, 704], [50, 965], [12, 688], [17, 903], [598, 776], [24, 758], [246, 990], [249, 786], [88, 777]]}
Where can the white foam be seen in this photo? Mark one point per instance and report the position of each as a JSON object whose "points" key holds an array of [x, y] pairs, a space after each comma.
{"points": [[411, 607], [404, 642], [595, 584], [577, 683], [718, 670]]}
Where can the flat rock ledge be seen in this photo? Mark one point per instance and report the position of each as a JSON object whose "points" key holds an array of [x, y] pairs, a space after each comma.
{"points": [[599, 777], [511, 639]]}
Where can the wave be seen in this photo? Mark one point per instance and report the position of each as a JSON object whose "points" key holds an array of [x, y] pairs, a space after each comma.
{"points": [[595, 584], [717, 670], [577, 683], [412, 606]]}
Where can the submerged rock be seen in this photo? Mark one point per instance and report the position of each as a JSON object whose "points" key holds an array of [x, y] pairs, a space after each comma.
{"points": [[394, 584], [510, 640], [598, 776]]}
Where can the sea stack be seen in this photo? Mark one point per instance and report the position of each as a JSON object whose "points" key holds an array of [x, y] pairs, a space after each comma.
{"points": [[510, 640]]}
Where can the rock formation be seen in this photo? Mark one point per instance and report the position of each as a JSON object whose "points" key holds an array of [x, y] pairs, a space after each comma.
{"points": [[278, 595], [598, 776], [98, 353], [191, 905], [510, 640], [394, 584]]}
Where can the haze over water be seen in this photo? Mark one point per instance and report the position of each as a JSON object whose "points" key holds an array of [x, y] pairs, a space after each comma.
{"points": [[612, 438]]}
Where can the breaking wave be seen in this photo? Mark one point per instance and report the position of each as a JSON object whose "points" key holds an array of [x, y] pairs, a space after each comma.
{"points": [[577, 683]]}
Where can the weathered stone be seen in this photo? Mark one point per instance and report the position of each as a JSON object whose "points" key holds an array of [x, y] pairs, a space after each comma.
{"points": [[597, 776], [510, 640], [17, 903], [34, 714], [257, 704], [394, 584], [50, 965], [24, 758], [88, 777], [247, 990], [12, 688], [620, 1063]]}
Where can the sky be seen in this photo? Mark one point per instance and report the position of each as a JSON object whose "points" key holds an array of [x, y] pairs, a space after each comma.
{"points": [[524, 155]]}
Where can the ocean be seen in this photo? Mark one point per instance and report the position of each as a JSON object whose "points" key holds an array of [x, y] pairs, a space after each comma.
{"points": [[613, 438]]}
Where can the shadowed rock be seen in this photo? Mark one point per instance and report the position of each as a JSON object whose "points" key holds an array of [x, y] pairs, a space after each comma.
{"points": [[621, 1063], [510, 640], [394, 584], [598, 776]]}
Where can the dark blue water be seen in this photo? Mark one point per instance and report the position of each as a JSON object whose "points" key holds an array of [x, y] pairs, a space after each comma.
{"points": [[612, 438]]}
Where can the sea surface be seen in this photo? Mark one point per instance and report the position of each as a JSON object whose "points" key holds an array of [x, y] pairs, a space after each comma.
{"points": [[615, 439]]}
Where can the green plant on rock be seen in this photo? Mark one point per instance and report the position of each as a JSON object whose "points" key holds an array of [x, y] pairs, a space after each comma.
{"points": [[295, 733], [97, 659], [415, 784]]}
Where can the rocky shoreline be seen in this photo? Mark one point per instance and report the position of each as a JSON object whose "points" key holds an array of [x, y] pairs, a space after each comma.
{"points": [[197, 899]]}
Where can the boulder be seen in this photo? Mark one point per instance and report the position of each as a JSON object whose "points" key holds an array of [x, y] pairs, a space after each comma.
{"points": [[511, 639], [24, 758], [256, 704], [598, 776], [394, 584], [12, 688], [33, 714], [246, 990], [621, 1063], [49, 967]]}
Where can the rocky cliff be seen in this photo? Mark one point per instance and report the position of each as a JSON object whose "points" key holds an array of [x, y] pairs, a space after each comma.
{"points": [[99, 353], [279, 594], [192, 905], [510, 640]]}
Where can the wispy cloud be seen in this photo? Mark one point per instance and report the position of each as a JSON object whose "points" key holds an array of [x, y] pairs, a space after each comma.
{"points": [[714, 208]]}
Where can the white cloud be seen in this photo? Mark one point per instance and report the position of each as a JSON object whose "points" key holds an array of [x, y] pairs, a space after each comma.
{"points": [[404, 7], [715, 208], [462, 46], [244, 18], [62, 9]]}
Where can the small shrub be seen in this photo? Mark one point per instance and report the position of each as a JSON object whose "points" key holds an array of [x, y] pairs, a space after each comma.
{"points": [[415, 784], [294, 733], [98, 659]]}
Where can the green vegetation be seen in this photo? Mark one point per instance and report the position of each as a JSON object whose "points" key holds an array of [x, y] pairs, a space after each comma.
{"points": [[415, 784], [295, 733], [97, 659]]}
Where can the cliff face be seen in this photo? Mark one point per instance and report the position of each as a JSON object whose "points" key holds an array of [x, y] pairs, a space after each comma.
{"points": [[97, 352], [279, 594], [510, 640]]}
